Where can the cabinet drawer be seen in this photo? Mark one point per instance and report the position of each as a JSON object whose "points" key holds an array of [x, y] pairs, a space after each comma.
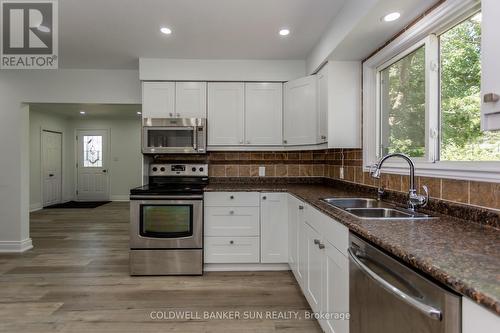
{"points": [[248, 199], [232, 221], [231, 250], [337, 234]]}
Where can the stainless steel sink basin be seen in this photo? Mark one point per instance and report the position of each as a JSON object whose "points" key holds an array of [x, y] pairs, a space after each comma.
{"points": [[353, 202], [366, 208], [385, 213]]}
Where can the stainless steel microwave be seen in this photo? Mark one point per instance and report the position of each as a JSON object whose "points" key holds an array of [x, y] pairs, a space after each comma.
{"points": [[174, 135]]}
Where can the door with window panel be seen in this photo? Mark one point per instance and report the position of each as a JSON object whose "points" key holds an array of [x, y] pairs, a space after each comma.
{"points": [[92, 169]]}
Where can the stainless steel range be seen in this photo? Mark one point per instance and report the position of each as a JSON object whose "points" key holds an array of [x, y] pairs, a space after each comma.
{"points": [[166, 221]]}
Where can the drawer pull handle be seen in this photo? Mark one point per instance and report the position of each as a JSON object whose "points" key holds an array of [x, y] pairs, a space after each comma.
{"points": [[301, 207], [231, 197], [231, 242], [231, 212], [264, 198], [317, 242]]}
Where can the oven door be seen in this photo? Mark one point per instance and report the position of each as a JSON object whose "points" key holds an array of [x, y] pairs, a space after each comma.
{"points": [[166, 224], [162, 140]]}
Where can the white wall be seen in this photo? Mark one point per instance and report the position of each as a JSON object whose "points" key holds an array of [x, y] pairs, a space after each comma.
{"points": [[44, 121], [43, 86]]}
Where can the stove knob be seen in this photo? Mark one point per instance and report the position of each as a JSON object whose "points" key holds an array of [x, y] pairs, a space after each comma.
{"points": [[155, 169], [201, 169], [193, 169], [162, 169]]}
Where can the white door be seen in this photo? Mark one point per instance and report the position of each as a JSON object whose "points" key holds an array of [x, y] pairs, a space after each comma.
{"points": [[51, 167], [263, 113], [300, 112], [335, 289], [323, 105], [158, 99], [314, 273], [226, 106], [92, 172], [274, 228], [191, 99]]}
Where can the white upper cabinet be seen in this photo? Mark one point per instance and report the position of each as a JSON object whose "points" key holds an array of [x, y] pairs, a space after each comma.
{"points": [[300, 112], [226, 111], [158, 99], [323, 105], [274, 228], [344, 103], [490, 55], [191, 99], [263, 113]]}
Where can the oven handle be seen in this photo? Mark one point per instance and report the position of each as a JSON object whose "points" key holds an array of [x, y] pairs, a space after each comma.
{"points": [[428, 310], [166, 197]]}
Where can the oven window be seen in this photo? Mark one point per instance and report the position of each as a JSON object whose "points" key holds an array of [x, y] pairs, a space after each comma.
{"points": [[158, 138], [166, 221]]}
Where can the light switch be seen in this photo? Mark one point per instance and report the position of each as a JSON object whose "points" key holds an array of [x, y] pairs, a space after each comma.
{"points": [[262, 171]]}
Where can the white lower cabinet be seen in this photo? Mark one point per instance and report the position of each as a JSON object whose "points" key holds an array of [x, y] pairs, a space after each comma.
{"points": [[476, 318], [274, 228], [319, 262], [234, 250]]}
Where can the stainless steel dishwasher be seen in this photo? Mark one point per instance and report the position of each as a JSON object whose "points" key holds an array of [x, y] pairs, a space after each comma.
{"points": [[385, 296]]}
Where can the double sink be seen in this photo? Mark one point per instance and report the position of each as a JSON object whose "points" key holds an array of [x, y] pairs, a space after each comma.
{"points": [[366, 208]]}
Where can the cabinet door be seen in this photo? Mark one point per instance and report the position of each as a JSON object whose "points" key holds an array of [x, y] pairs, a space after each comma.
{"points": [[323, 105], [158, 99], [313, 267], [302, 251], [273, 226], [335, 290], [300, 113], [226, 105], [490, 53], [476, 318], [294, 205], [263, 113], [191, 99]]}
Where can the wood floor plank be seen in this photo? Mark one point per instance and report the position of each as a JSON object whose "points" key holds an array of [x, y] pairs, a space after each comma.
{"points": [[76, 280]]}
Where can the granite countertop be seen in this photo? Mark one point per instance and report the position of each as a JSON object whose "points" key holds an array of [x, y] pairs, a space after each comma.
{"points": [[460, 254]]}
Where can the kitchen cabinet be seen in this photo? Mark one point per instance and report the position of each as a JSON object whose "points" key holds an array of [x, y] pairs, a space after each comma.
{"points": [[191, 99], [343, 87], [300, 112], [322, 105], [226, 112], [314, 258], [273, 225], [158, 99], [490, 53], [295, 208], [263, 113], [476, 318]]}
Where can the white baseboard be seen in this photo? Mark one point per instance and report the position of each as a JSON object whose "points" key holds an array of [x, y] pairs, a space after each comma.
{"points": [[244, 267], [15, 246], [36, 206], [119, 198]]}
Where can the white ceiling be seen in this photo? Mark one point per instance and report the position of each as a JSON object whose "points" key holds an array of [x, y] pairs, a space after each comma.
{"points": [[66, 110], [372, 32], [113, 34]]}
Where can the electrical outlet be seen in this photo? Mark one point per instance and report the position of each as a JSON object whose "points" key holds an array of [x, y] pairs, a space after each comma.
{"points": [[262, 171], [341, 172]]}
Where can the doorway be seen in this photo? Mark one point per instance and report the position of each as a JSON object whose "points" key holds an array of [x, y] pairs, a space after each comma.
{"points": [[51, 148], [92, 165]]}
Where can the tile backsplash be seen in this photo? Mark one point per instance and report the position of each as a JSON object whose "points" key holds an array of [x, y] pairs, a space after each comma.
{"points": [[328, 162]]}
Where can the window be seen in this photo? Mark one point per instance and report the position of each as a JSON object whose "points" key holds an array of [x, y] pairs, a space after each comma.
{"points": [[461, 136], [402, 98], [422, 97], [92, 151]]}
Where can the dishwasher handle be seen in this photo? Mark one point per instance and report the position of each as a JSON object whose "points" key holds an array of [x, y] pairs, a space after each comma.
{"points": [[428, 310]]}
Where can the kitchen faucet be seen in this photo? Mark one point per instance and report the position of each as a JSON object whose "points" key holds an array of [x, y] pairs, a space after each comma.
{"points": [[414, 200]]}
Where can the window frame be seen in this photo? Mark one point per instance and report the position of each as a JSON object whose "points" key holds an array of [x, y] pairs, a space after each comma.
{"points": [[425, 32]]}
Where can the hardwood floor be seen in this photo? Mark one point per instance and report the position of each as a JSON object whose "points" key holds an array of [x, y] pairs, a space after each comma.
{"points": [[76, 280]]}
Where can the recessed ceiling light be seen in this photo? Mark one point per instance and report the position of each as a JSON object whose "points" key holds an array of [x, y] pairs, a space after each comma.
{"points": [[166, 31], [82, 112], [284, 32], [139, 113], [392, 17]]}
